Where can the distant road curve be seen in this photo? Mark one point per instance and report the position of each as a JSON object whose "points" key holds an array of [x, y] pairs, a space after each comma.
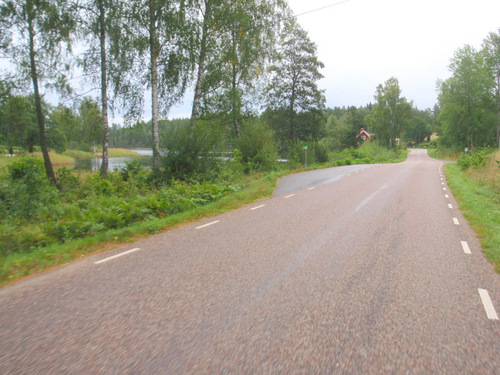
{"points": [[299, 181]]}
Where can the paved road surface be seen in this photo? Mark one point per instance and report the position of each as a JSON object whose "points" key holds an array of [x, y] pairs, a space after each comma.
{"points": [[291, 183], [364, 275]]}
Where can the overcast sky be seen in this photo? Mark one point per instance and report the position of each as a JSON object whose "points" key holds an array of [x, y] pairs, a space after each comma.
{"points": [[365, 42]]}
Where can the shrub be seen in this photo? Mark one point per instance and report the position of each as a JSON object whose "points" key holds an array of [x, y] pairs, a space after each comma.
{"points": [[135, 174], [190, 151], [256, 146], [25, 189], [474, 159], [317, 152], [67, 180], [320, 152], [31, 236]]}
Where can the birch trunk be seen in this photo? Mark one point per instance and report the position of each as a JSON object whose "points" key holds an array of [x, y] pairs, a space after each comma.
{"points": [[153, 45], [38, 104], [104, 92], [201, 64]]}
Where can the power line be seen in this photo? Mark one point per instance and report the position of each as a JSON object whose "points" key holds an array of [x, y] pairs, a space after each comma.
{"points": [[318, 9]]}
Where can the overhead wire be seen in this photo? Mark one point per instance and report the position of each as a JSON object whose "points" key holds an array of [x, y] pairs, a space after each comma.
{"points": [[321, 8]]}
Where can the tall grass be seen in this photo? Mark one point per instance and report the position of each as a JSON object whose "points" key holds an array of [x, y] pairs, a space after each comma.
{"points": [[55, 158], [78, 154], [477, 190], [121, 153]]}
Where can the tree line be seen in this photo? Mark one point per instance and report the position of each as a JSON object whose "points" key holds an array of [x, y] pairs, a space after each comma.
{"points": [[223, 48], [250, 65], [468, 111]]}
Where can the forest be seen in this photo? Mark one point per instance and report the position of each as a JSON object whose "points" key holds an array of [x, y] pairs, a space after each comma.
{"points": [[249, 64], [253, 72]]}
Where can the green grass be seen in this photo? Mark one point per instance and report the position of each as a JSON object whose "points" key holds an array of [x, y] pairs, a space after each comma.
{"points": [[78, 154], [68, 157], [443, 154], [480, 204], [121, 152], [16, 265], [56, 159]]}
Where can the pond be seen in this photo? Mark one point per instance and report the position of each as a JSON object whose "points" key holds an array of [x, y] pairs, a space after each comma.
{"points": [[145, 156]]}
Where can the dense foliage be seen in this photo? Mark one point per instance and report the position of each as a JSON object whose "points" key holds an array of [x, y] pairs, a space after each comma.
{"points": [[469, 101], [35, 213]]}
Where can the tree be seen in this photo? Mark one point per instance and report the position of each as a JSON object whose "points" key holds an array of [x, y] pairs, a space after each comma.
{"points": [[91, 122], [234, 44], [107, 60], [37, 30], [18, 122], [467, 102], [420, 126], [391, 112], [491, 48], [293, 85], [5, 90], [69, 123], [163, 42]]}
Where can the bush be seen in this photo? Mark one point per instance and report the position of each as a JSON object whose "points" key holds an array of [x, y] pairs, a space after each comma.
{"points": [[189, 152], [475, 160], [257, 150], [67, 180], [135, 174], [320, 151], [25, 189], [14, 240]]}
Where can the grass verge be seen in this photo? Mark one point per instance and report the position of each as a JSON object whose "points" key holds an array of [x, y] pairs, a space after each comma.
{"points": [[443, 154], [78, 154], [480, 204], [17, 265], [55, 158], [120, 153]]}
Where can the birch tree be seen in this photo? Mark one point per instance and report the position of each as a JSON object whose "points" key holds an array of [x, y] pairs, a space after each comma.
{"points": [[102, 24], [235, 40], [38, 34], [163, 42]]}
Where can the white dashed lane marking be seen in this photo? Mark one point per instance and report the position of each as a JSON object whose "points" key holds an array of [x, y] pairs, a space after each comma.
{"points": [[466, 248], [488, 305], [446, 196], [256, 208], [206, 225], [289, 196], [450, 205], [117, 255], [455, 221]]}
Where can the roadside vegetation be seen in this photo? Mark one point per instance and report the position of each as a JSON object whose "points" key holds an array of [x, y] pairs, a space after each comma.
{"points": [[475, 183]]}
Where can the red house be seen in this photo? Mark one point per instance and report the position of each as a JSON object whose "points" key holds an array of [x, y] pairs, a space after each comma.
{"points": [[365, 136]]}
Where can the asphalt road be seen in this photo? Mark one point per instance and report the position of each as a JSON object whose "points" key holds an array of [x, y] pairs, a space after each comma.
{"points": [[368, 274]]}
